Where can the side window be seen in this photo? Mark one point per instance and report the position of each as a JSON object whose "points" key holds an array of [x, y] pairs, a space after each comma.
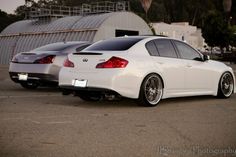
{"points": [[150, 46], [165, 48], [187, 52]]}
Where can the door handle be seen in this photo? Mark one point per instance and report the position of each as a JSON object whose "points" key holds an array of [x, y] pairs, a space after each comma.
{"points": [[189, 66]]}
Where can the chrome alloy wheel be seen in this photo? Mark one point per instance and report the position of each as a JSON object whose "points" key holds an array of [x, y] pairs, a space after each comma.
{"points": [[227, 84], [153, 89]]}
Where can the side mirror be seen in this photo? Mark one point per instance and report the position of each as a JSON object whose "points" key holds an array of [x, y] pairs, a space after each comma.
{"points": [[206, 57]]}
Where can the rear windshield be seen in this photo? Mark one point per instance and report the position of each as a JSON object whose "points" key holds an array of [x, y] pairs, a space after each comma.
{"points": [[118, 44], [56, 47]]}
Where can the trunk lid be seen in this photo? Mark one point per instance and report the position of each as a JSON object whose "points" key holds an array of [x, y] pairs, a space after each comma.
{"points": [[87, 61], [31, 57]]}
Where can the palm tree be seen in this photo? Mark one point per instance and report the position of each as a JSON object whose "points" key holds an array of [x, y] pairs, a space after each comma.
{"points": [[146, 5], [227, 4]]}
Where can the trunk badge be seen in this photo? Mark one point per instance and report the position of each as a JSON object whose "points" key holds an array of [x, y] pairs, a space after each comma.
{"points": [[85, 60], [26, 58]]}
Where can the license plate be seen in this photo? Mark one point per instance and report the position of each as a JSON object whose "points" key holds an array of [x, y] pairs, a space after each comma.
{"points": [[79, 83], [23, 77]]}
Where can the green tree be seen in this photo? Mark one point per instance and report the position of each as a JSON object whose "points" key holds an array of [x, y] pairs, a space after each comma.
{"points": [[216, 31], [233, 36], [7, 19]]}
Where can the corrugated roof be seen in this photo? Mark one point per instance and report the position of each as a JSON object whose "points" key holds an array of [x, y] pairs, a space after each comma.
{"points": [[66, 23]]}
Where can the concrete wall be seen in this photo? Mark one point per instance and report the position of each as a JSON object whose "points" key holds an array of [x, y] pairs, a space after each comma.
{"points": [[191, 34]]}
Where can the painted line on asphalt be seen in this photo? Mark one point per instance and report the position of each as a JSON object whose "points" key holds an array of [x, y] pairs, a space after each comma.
{"points": [[33, 121], [62, 122], [24, 119], [52, 117], [24, 96], [36, 122], [5, 119]]}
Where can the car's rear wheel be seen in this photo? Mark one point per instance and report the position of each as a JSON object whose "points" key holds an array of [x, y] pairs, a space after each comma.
{"points": [[151, 90], [29, 85], [226, 85]]}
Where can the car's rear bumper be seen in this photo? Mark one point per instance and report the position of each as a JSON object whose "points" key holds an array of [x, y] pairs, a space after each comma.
{"points": [[122, 82], [35, 72], [75, 90], [34, 77]]}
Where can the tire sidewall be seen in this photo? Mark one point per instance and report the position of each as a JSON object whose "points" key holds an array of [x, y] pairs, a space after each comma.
{"points": [[142, 98], [220, 93]]}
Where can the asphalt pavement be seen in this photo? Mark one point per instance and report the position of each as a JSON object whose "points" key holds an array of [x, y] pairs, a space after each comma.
{"points": [[43, 123]]}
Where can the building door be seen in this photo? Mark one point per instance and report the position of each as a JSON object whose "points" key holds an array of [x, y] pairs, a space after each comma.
{"points": [[120, 33]]}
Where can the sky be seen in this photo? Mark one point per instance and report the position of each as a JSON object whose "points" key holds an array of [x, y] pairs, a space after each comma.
{"points": [[10, 5]]}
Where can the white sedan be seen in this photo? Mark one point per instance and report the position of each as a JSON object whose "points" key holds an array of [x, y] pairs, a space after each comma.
{"points": [[144, 68]]}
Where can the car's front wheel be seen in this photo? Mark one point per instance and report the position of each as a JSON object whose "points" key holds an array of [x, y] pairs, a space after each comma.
{"points": [[151, 90], [226, 85], [29, 85]]}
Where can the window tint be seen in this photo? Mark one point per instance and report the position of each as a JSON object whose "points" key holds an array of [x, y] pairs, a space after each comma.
{"points": [[150, 46], [73, 49], [80, 48], [55, 47], [165, 48], [187, 52], [117, 44]]}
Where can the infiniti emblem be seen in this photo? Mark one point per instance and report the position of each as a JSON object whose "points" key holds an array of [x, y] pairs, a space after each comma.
{"points": [[85, 60], [26, 57]]}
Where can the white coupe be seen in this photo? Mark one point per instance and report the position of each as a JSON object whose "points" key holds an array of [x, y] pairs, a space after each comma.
{"points": [[146, 68]]}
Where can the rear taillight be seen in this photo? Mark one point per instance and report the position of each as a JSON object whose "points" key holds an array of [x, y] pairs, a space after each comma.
{"points": [[14, 59], [68, 63], [45, 60], [113, 62]]}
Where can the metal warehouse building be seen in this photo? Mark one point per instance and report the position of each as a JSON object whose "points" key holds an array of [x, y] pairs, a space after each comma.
{"points": [[26, 35]]}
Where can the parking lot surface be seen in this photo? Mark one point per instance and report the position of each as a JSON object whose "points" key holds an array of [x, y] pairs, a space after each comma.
{"points": [[43, 123]]}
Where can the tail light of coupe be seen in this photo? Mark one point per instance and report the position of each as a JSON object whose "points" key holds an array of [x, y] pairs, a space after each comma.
{"points": [[45, 60]]}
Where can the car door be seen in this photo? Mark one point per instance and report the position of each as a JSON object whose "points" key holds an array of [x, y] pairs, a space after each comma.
{"points": [[173, 69], [197, 72]]}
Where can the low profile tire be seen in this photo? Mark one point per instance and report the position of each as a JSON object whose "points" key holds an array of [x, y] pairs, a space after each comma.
{"points": [[29, 85], [226, 85], [90, 96], [151, 91]]}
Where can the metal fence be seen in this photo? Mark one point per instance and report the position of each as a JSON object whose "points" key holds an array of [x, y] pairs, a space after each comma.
{"points": [[84, 9]]}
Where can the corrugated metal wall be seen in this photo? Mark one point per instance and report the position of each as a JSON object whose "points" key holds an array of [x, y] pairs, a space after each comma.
{"points": [[26, 35]]}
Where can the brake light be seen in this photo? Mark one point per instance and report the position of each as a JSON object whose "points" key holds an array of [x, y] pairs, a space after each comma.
{"points": [[14, 59], [68, 63], [113, 62], [45, 60]]}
